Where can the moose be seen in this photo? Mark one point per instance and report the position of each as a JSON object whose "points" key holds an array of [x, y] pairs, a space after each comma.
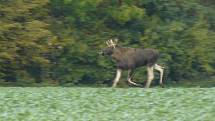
{"points": [[128, 58]]}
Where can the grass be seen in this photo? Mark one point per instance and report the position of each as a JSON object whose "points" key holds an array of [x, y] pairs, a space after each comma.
{"points": [[106, 104]]}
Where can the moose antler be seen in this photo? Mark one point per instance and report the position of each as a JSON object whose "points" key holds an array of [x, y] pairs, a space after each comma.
{"points": [[110, 43], [107, 43]]}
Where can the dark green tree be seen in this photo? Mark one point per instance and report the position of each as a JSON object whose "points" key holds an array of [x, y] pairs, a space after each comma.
{"points": [[25, 41]]}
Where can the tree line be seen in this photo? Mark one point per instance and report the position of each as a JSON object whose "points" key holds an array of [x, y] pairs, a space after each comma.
{"points": [[56, 42]]}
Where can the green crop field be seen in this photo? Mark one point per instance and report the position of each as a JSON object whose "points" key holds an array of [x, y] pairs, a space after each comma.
{"points": [[106, 104]]}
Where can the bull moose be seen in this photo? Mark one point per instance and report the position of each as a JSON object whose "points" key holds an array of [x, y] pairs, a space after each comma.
{"points": [[128, 58]]}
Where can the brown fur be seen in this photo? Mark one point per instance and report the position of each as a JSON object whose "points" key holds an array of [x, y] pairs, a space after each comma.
{"points": [[130, 58]]}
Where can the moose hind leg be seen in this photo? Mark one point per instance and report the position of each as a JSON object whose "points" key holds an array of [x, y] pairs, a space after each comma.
{"points": [[130, 76], [118, 75], [161, 70], [150, 76]]}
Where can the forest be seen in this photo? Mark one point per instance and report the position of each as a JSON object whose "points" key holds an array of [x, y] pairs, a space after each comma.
{"points": [[56, 42]]}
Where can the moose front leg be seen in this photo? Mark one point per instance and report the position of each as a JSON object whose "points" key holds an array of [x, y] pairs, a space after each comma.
{"points": [[150, 76], [118, 75], [130, 77]]}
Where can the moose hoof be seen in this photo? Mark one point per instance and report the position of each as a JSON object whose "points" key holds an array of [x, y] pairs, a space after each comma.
{"points": [[161, 85]]}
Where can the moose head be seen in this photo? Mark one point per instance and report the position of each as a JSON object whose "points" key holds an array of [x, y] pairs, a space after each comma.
{"points": [[111, 45]]}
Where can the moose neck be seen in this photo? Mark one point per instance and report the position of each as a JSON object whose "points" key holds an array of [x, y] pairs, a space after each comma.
{"points": [[117, 53]]}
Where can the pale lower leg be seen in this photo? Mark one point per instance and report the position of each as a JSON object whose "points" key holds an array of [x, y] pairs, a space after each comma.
{"points": [[161, 70], [150, 76], [118, 75], [130, 76]]}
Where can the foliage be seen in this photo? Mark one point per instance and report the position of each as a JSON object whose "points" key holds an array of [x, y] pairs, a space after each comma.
{"points": [[106, 104], [25, 41], [57, 41]]}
